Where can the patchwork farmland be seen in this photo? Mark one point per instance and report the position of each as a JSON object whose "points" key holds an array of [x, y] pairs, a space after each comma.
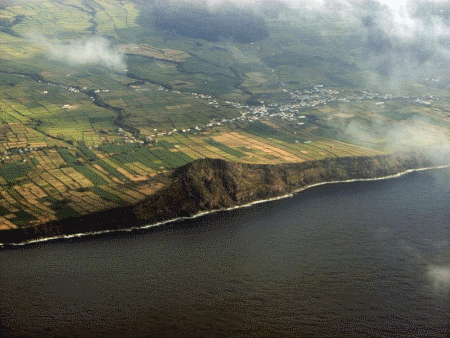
{"points": [[80, 138]]}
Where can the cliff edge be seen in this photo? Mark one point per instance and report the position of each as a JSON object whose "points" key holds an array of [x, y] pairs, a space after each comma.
{"points": [[212, 184]]}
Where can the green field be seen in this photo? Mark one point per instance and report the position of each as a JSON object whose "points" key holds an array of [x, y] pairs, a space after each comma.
{"points": [[82, 131]]}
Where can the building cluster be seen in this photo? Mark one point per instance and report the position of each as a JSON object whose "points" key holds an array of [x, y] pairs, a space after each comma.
{"points": [[6, 155], [69, 88], [314, 96]]}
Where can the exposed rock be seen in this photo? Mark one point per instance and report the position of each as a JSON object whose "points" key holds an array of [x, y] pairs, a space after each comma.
{"points": [[212, 184]]}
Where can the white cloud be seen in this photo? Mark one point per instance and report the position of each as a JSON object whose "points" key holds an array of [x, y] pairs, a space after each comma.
{"points": [[397, 18], [92, 51], [440, 277]]}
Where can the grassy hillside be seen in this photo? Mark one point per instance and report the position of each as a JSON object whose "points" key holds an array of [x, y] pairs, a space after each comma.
{"points": [[211, 184], [97, 104]]}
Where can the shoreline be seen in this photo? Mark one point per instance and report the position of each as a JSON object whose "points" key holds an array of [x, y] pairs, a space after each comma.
{"points": [[148, 226]]}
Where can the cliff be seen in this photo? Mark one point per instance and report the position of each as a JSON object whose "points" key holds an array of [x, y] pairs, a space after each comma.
{"points": [[211, 184]]}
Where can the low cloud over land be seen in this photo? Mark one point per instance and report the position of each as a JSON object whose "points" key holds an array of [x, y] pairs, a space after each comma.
{"points": [[91, 51], [418, 28]]}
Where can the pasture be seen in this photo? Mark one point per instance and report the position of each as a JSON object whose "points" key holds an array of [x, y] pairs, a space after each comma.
{"points": [[78, 138]]}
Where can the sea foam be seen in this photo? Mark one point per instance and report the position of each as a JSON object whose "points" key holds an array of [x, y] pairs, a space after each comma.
{"points": [[202, 213]]}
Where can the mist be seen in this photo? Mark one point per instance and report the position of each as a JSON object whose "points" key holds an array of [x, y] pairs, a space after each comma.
{"points": [[437, 267], [399, 40], [439, 275], [93, 51], [401, 43], [395, 34], [411, 133]]}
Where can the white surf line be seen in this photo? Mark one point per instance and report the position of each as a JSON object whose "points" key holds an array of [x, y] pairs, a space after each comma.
{"points": [[291, 194], [203, 213]]}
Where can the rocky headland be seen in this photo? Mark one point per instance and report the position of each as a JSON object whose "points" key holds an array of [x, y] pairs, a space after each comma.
{"points": [[211, 184]]}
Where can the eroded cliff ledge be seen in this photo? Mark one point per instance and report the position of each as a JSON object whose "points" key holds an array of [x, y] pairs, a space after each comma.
{"points": [[211, 184]]}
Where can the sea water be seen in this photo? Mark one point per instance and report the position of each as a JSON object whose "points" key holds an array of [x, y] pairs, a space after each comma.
{"points": [[360, 259]]}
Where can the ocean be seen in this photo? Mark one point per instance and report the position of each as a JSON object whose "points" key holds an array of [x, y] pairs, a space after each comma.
{"points": [[359, 259]]}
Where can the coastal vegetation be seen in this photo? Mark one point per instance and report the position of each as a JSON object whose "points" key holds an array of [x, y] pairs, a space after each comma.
{"points": [[212, 184], [109, 130]]}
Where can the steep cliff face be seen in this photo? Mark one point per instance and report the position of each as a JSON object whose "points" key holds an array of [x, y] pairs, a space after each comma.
{"points": [[211, 184]]}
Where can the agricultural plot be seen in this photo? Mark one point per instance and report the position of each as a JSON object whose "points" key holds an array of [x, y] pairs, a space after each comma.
{"points": [[11, 172], [171, 55], [76, 138]]}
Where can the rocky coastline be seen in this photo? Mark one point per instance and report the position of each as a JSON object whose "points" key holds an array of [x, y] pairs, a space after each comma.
{"points": [[210, 184]]}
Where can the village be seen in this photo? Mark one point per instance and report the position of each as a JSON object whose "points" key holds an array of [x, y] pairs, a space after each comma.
{"points": [[315, 96]]}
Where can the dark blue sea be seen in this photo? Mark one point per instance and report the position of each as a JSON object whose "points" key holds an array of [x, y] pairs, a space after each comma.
{"points": [[360, 259]]}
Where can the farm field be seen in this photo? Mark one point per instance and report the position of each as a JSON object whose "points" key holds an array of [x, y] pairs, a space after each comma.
{"points": [[80, 134]]}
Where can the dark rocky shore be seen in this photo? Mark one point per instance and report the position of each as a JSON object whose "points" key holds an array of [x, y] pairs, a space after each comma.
{"points": [[211, 184]]}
